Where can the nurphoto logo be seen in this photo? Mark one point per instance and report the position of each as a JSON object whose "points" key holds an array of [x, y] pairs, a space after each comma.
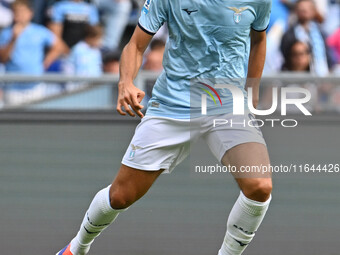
{"points": [[238, 104]]}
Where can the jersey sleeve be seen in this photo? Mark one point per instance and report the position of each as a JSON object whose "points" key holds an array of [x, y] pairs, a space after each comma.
{"points": [[94, 16], [57, 13], [263, 11], [5, 37], [49, 37], [154, 14]]}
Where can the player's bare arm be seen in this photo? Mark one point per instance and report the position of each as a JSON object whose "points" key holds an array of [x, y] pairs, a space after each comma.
{"points": [[257, 58], [131, 61]]}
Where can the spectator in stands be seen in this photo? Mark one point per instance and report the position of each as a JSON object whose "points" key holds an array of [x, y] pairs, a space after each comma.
{"points": [[40, 8], [1, 99], [6, 19], [154, 58], [111, 63], [69, 19], [280, 13], [307, 30], [332, 16], [116, 15], [6, 16], [298, 58], [334, 43], [22, 49], [85, 57]]}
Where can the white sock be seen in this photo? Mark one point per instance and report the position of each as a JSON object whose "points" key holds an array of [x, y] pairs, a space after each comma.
{"points": [[244, 220], [97, 218]]}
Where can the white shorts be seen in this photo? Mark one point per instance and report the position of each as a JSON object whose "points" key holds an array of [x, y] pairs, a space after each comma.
{"points": [[162, 143]]}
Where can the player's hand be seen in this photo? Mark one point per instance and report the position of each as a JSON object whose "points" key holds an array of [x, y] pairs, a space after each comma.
{"points": [[129, 95], [17, 30]]}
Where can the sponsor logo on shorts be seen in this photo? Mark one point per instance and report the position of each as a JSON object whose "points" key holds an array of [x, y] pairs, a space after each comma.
{"points": [[134, 148]]}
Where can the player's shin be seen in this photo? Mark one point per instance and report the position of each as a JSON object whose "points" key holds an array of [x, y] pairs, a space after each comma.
{"points": [[98, 217], [244, 220]]}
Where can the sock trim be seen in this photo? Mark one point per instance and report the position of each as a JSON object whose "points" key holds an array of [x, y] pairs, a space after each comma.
{"points": [[253, 207], [91, 233]]}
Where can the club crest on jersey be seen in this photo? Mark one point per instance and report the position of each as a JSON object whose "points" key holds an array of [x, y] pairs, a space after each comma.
{"points": [[238, 13], [146, 6]]}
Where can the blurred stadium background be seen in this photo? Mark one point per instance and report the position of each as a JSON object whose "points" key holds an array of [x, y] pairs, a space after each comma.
{"points": [[62, 141]]}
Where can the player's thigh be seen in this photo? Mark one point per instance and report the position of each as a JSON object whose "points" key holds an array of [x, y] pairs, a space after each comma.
{"points": [[239, 144], [247, 157], [235, 130], [252, 162], [130, 185], [158, 143], [242, 146]]}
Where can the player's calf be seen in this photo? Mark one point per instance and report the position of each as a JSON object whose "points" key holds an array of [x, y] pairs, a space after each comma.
{"points": [[253, 201], [97, 218], [129, 185], [244, 220]]}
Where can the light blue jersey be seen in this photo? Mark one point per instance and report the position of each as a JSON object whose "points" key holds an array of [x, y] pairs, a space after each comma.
{"points": [[207, 39], [80, 11], [27, 55], [85, 60], [74, 17]]}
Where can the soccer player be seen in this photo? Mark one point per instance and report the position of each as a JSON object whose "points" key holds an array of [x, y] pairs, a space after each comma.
{"points": [[208, 39]]}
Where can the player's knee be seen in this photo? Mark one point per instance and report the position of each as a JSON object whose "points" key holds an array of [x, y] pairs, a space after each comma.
{"points": [[259, 191], [119, 200]]}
